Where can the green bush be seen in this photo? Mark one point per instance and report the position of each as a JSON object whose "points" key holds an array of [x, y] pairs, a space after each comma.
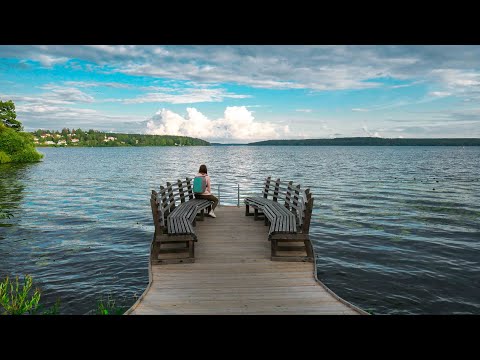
{"points": [[26, 155], [17, 146], [16, 299], [4, 158]]}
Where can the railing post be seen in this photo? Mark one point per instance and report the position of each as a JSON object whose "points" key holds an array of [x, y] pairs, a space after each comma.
{"points": [[238, 198], [218, 194]]}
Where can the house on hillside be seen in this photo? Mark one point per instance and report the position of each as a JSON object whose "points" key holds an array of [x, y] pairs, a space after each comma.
{"points": [[110, 138]]}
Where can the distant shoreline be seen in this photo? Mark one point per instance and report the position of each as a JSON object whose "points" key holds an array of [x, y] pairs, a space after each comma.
{"points": [[370, 141]]}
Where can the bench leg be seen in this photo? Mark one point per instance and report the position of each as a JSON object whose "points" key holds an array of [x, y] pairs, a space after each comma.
{"points": [[309, 249], [247, 210], [277, 249], [273, 246], [191, 249]]}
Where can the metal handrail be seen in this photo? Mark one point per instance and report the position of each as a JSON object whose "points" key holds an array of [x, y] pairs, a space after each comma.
{"points": [[238, 194], [232, 187]]}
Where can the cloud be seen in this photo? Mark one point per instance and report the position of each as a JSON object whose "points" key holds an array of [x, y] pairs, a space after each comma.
{"points": [[359, 110], [87, 84], [370, 134], [49, 61], [47, 116], [304, 110], [56, 96], [237, 124], [440, 93], [276, 67], [67, 94], [185, 96], [459, 82]]}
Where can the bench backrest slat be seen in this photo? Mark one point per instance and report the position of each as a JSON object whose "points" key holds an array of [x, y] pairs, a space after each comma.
{"points": [[171, 198], [180, 191], [189, 188], [275, 192], [267, 187], [164, 202], [288, 195]]}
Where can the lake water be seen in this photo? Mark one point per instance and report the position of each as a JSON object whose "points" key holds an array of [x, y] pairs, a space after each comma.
{"points": [[396, 230]]}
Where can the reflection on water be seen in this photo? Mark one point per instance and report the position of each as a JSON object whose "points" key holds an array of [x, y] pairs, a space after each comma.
{"points": [[11, 192], [395, 229]]}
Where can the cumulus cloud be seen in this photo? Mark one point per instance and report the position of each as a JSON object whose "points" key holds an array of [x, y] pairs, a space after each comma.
{"points": [[237, 124], [369, 133]]}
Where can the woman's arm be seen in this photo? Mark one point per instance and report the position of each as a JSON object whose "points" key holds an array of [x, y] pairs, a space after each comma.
{"points": [[208, 185]]}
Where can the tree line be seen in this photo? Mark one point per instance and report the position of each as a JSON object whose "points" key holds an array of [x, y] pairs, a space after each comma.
{"points": [[94, 138], [373, 141]]}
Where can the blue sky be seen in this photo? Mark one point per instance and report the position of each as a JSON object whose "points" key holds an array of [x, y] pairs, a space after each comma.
{"points": [[247, 93]]}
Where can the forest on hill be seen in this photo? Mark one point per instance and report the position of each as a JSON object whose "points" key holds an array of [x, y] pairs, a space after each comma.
{"points": [[79, 137], [374, 141]]}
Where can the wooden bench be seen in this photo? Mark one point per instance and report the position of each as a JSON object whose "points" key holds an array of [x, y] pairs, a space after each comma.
{"points": [[175, 211], [288, 210]]}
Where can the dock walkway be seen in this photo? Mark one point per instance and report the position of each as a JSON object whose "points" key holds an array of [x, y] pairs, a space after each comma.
{"points": [[233, 274]]}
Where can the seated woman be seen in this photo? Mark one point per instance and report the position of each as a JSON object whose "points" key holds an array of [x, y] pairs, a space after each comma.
{"points": [[207, 191]]}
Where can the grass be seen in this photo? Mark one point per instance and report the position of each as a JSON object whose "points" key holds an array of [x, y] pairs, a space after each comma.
{"points": [[19, 299], [109, 306], [54, 310]]}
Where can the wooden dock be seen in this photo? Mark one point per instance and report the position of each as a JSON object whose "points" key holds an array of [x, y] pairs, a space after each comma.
{"points": [[233, 274]]}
